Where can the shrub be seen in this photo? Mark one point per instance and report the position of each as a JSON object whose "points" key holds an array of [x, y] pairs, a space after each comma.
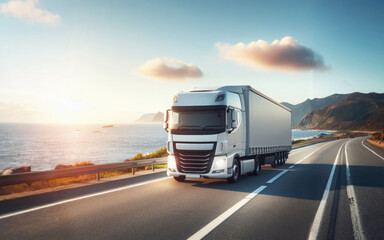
{"points": [[161, 152], [379, 137]]}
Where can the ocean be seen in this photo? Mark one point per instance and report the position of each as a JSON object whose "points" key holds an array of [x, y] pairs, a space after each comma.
{"points": [[43, 146]]}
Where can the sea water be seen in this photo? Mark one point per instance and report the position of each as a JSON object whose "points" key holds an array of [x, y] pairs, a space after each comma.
{"points": [[43, 146]]}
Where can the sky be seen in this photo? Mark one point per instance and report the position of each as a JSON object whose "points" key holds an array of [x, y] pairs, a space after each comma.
{"points": [[111, 61]]}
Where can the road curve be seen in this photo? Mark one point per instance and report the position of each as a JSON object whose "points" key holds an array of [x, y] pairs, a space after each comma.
{"points": [[332, 190]]}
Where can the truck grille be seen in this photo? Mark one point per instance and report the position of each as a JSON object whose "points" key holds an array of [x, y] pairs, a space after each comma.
{"points": [[191, 161]]}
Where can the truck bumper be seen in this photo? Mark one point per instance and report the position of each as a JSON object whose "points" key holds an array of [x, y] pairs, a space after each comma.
{"points": [[219, 169], [193, 175]]}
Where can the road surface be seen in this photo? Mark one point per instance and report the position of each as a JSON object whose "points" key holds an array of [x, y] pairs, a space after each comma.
{"points": [[332, 190]]}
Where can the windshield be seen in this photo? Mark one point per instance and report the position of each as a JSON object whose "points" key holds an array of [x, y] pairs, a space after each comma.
{"points": [[198, 121]]}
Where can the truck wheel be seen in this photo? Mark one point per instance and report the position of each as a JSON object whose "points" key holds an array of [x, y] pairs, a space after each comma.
{"points": [[257, 168], [235, 172], [274, 164], [180, 178]]}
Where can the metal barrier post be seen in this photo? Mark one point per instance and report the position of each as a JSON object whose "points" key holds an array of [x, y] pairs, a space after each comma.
{"points": [[133, 171], [153, 167], [98, 176]]}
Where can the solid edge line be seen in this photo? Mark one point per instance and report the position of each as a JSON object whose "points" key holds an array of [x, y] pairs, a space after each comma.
{"points": [[217, 221], [294, 165], [277, 176], [313, 234], [358, 231], [79, 198], [362, 143]]}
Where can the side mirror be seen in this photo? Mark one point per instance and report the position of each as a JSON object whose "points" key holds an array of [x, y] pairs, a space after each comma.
{"points": [[166, 120]]}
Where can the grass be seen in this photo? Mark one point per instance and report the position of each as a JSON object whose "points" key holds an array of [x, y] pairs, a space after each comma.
{"points": [[159, 153], [299, 141], [18, 188]]}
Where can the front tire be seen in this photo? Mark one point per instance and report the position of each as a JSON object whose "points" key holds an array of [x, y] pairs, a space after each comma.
{"points": [[180, 178], [235, 172]]}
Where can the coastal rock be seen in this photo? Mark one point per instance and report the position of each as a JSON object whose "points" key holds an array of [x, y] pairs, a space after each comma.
{"points": [[7, 172], [151, 117], [22, 169], [159, 117]]}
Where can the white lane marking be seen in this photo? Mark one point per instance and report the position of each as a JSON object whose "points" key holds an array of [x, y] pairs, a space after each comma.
{"points": [[355, 215], [79, 198], [294, 165], [277, 176], [310, 145], [217, 221], [320, 211], [362, 143]]}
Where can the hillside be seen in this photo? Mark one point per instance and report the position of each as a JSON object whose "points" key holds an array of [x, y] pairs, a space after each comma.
{"points": [[356, 111], [151, 117], [299, 110]]}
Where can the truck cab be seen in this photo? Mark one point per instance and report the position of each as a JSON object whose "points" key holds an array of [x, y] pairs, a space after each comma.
{"points": [[205, 134]]}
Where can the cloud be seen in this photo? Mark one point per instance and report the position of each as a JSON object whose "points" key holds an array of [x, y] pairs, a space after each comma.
{"points": [[13, 112], [168, 69], [284, 55], [27, 9]]}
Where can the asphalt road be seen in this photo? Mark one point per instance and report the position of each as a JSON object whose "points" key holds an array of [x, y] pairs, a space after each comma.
{"points": [[332, 190]]}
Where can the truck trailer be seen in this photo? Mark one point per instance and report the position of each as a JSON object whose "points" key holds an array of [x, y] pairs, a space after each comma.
{"points": [[225, 133]]}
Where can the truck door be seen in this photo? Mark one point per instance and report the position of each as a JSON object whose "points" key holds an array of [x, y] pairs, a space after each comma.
{"points": [[235, 131]]}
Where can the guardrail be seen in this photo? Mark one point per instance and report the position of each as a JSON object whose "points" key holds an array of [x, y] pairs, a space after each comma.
{"points": [[18, 178]]}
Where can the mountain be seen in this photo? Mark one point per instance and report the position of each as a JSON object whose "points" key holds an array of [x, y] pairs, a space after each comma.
{"points": [[151, 117], [356, 111], [299, 110], [159, 117]]}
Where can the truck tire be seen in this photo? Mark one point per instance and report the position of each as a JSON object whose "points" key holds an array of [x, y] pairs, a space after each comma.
{"points": [[275, 163], [280, 159], [180, 178], [235, 172], [257, 169]]}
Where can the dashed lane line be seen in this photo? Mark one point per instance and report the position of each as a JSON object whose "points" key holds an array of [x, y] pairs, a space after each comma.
{"points": [[294, 165], [217, 221]]}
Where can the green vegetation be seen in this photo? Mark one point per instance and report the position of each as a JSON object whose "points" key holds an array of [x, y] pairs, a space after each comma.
{"points": [[299, 141], [159, 153]]}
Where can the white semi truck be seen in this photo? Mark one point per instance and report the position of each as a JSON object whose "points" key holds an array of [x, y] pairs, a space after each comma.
{"points": [[225, 133]]}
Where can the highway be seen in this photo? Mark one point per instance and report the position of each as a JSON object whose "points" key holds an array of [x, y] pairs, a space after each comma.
{"points": [[331, 190]]}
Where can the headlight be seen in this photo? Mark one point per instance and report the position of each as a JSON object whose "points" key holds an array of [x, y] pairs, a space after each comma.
{"points": [[171, 163], [220, 163]]}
